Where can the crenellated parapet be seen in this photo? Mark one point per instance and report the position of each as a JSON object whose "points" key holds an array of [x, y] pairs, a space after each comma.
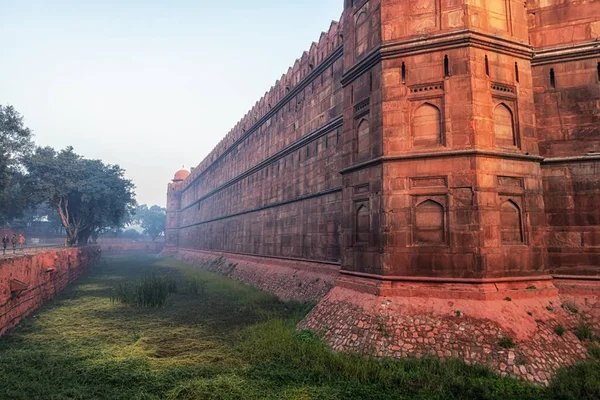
{"points": [[278, 95]]}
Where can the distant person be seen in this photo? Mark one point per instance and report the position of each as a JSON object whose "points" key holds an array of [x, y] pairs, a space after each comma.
{"points": [[5, 241], [14, 242], [21, 242]]}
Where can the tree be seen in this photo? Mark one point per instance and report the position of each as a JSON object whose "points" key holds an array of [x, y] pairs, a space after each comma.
{"points": [[90, 197], [15, 144], [153, 220]]}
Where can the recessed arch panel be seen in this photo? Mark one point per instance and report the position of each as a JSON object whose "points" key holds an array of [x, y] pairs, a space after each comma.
{"points": [[504, 126], [363, 134], [429, 223], [427, 125], [511, 223], [362, 224]]}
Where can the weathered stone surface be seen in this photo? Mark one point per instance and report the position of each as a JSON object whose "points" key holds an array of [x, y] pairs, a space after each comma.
{"points": [[470, 330], [442, 143], [37, 278], [441, 150]]}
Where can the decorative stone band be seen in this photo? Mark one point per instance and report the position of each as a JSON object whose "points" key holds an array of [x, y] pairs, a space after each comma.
{"points": [[267, 206], [579, 286], [441, 288], [436, 43], [573, 159], [320, 132], [442, 154], [571, 52]]}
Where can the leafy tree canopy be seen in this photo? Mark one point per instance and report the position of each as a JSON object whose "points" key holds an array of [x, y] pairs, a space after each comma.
{"points": [[89, 196], [15, 144], [153, 220]]}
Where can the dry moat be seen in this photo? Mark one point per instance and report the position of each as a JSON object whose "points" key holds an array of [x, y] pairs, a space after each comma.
{"points": [[215, 338]]}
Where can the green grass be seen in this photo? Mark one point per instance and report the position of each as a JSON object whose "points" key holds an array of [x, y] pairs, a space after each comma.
{"points": [[584, 331], [214, 338]]}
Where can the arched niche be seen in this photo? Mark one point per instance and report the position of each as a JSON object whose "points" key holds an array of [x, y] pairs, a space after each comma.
{"points": [[363, 136], [511, 223], [427, 125], [361, 30], [362, 224], [430, 223], [504, 126]]}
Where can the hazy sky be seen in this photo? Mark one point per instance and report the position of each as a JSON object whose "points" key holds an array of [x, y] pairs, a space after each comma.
{"points": [[149, 85]]}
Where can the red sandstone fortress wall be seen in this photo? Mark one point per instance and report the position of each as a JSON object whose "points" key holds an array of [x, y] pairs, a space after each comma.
{"points": [[443, 149], [417, 138], [272, 186], [27, 282], [566, 77]]}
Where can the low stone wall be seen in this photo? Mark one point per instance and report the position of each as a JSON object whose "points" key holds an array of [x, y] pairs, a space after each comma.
{"points": [[26, 282], [471, 330], [288, 279], [121, 246]]}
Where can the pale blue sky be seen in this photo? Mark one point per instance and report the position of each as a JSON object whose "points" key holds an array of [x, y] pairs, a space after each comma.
{"points": [[149, 85]]}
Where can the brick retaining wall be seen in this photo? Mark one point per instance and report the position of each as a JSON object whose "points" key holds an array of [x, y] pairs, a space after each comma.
{"points": [[29, 281]]}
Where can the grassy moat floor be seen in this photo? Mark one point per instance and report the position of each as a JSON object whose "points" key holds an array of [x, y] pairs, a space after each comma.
{"points": [[220, 340]]}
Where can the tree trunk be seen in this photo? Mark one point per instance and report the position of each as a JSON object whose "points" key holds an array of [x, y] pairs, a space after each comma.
{"points": [[63, 212]]}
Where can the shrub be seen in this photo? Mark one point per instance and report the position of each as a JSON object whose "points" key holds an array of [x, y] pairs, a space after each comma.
{"points": [[584, 331], [508, 299], [571, 307], [506, 343], [193, 286], [594, 350], [559, 330], [306, 336], [151, 291], [580, 381]]}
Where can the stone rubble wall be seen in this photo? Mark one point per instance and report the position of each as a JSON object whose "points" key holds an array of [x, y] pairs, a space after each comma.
{"points": [[289, 280], [44, 274], [465, 329]]}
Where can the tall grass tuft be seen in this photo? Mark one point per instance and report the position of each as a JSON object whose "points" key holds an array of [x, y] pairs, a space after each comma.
{"points": [[151, 291]]}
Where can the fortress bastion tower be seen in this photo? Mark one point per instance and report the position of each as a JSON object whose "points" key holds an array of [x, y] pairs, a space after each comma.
{"points": [[429, 173]]}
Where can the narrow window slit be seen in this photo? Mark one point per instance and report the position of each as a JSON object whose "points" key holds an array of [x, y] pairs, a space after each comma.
{"points": [[403, 73], [552, 78], [487, 66], [446, 67]]}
